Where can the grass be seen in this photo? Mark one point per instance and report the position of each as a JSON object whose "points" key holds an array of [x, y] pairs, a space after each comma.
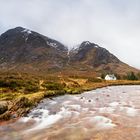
{"points": [[27, 92]]}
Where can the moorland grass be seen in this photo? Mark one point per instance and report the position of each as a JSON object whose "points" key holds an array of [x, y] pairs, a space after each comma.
{"points": [[23, 92]]}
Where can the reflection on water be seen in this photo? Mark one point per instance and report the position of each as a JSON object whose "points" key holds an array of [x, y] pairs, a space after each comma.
{"points": [[111, 113]]}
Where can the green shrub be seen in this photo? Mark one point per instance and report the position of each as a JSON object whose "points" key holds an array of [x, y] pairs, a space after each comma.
{"points": [[53, 86], [54, 93], [131, 76], [16, 84], [31, 88], [11, 84], [68, 90], [49, 93], [76, 91]]}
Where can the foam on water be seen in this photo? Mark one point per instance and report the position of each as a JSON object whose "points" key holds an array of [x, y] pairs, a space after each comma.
{"points": [[66, 102], [102, 122], [131, 111], [24, 119], [44, 120], [53, 102], [74, 107], [106, 110], [114, 104]]}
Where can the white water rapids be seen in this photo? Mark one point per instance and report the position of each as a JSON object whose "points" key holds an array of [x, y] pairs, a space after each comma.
{"points": [[110, 113]]}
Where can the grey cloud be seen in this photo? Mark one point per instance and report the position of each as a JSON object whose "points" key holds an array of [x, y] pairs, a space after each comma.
{"points": [[113, 24]]}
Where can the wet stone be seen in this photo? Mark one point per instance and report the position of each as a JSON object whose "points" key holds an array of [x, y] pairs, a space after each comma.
{"points": [[97, 99], [89, 100], [81, 97]]}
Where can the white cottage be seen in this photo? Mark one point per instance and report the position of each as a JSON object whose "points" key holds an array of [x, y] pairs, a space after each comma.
{"points": [[110, 77]]}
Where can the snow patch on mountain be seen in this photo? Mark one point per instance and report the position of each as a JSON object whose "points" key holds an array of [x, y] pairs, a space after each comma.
{"points": [[52, 44], [27, 31], [87, 43], [75, 49]]}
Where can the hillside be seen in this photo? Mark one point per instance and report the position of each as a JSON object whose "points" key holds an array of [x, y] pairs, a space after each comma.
{"points": [[23, 50]]}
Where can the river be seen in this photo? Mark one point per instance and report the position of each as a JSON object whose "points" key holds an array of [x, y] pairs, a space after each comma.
{"points": [[110, 113]]}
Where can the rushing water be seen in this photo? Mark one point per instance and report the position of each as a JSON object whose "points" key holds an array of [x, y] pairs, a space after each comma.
{"points": [[111, 113]]}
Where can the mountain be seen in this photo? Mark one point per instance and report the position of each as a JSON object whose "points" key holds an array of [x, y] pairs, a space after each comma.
{"points": [[23, 50], [91, 56]]}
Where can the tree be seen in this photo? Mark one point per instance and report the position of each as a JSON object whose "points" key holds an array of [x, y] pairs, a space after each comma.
{"points": [[131, 76], [103, 76]]}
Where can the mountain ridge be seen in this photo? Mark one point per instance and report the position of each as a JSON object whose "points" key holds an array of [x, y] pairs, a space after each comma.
{"points": [[29, 51]]}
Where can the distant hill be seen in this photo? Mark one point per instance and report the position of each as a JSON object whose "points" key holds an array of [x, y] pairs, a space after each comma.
{"points": [[23, 50]]}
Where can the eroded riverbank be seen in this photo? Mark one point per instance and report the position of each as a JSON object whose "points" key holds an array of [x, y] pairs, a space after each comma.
{"points": [[106, 113]]}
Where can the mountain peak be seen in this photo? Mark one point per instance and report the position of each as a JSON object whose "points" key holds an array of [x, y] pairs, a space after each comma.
{"points": [[87, 44], [16, 29], [21, 29]]}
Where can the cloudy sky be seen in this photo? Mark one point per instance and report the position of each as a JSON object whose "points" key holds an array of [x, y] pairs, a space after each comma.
{"points": [[113, 24]]}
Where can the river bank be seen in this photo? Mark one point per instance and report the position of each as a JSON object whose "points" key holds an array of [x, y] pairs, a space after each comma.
{"points": [[17, 104]]}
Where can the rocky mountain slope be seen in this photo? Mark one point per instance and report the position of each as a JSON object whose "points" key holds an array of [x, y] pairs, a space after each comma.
{"points": [[27, 51], [91, 56], [23, 49]]}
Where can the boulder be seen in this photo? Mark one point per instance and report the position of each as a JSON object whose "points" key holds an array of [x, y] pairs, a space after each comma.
{"points": [[3, 107]]}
